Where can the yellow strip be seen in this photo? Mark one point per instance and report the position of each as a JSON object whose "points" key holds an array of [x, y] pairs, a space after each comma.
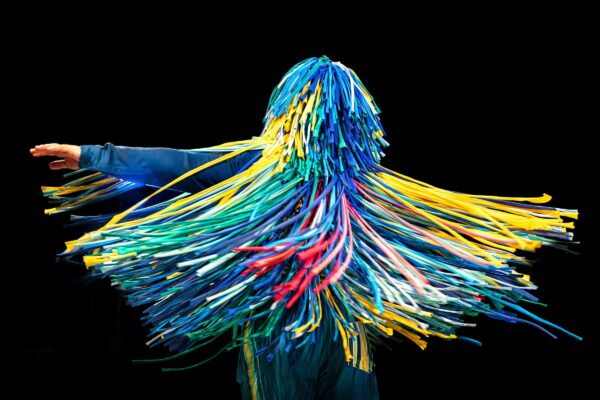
{"points": [[341, 328], [249, 360], [363, 347]]}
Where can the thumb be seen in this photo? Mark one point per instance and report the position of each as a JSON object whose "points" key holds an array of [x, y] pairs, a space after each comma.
{"points": [[58, 164]]}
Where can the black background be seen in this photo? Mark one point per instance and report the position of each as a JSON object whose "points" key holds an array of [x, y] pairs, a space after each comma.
{"points": [[482, 98]]}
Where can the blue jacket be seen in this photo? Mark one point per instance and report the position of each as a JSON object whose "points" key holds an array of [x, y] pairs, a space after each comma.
{"points": [[158, 166]]}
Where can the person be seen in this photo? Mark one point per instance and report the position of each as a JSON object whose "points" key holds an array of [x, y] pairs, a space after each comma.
{"points": [[307, 248], [319, 371]]}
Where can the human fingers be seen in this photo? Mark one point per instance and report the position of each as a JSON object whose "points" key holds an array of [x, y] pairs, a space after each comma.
{"points": [[55, 149], [47, 149]]}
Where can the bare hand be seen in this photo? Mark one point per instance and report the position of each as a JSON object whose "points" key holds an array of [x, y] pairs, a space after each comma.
{"points": [[70, 154]]}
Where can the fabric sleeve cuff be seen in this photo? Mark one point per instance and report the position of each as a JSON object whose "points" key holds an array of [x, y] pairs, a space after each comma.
{"points": [[90, 154]]}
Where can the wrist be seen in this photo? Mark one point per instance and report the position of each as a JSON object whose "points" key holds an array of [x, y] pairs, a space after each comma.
{"points": [[89, 155]]}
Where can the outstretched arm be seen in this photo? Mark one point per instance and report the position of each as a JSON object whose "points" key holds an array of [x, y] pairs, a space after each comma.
{"points": [[155, 166]]}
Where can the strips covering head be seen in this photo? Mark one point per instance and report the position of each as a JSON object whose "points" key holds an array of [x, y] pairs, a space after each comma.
{"points": [[324, 120]]}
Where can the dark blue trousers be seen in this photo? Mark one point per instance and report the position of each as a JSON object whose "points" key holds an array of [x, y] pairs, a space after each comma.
{"points": [[314, 371]]}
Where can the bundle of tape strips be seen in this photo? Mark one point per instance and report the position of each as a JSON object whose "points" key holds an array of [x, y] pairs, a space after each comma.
{"points": [[315, 223]]}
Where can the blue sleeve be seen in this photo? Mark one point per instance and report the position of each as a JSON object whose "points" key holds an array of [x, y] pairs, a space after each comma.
{"points": [[158, 166]]}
